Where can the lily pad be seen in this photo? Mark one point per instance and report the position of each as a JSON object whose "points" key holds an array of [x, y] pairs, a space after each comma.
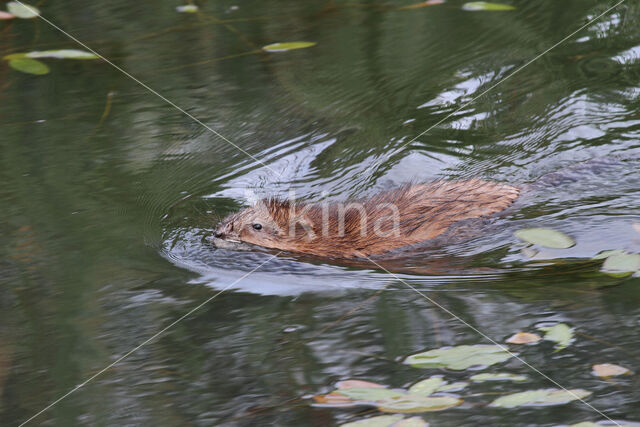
{"points": [[422, 4], [561, 334], [523, 338], [427, 387], [369, 394], [606, 370], [453, 386], [607, 254], [188, 8], [621, 263], [283, 47], [22, 10], [539, 398], [411, 403], [357, 384], [61, 54], [334, 400], [502, 376], [545, 237], [459, 358], [483, 5], [29, 66], [379, 421], [412, 422]]}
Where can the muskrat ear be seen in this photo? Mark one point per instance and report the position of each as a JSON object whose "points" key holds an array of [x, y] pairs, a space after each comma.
{"points": [[278, 210]]}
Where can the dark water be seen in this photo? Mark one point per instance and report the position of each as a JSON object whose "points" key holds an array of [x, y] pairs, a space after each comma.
{"points": [[108, 193]]}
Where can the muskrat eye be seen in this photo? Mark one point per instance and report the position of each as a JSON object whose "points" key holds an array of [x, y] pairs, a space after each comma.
{"points": [[257, 226]]}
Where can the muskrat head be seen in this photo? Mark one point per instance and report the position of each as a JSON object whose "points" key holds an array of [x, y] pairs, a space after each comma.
{"points": [[265, 224]]}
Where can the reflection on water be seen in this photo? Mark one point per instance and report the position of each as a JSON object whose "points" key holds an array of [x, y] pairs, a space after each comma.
{"points": [[106, 212]]}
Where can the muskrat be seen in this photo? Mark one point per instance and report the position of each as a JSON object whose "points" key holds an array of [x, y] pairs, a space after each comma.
{"points": [[389, 220]]}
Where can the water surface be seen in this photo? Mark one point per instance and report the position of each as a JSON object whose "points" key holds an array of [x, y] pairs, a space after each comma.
{"points": [[109, 194]]}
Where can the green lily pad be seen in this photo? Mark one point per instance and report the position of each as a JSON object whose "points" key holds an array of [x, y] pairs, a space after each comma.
{"points": [[369, 394], [29, 66], [412, 422], [283, 47], [545, 237], [502, 376], [453, 386], [61, 54], [427, 387], [607, 254], [22, 10], [379, 421], [486, 6], [460, 357], [561, 334], [188, 8], [623, 263], [414, 403], [539, 398]]}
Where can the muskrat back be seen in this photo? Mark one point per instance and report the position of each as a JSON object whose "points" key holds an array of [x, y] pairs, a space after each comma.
{"points": [[389, 220]]}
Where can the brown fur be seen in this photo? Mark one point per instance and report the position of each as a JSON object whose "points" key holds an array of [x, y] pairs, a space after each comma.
{"points": [[424, 211]]}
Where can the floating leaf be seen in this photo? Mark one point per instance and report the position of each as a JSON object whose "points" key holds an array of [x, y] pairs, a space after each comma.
{"points": [[22, 10], [453, 386], [412, 422], [6, 15], [622, 263], [61, 54], [545, 237], [529, 252], [460, 357], [502, 376], [523, 338], [539, 398], [357, 384], [379, 421], [414, 403], [369, 394], [426, 387], [561, 334], [483, 5], [188, 8], [283, 47], [607, 254], [14, 56], [422, 4], [29, 66], [334, 399], [606, 370]]}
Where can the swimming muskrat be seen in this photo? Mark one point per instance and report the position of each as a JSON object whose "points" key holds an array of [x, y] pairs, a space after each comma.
{"points": [[389, 220]]}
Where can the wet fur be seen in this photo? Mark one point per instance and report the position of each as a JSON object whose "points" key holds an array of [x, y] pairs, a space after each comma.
{"points": [[425, 211]]}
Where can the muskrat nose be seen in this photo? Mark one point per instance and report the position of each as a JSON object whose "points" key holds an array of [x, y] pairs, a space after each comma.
{"points": [[218, 234]]}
